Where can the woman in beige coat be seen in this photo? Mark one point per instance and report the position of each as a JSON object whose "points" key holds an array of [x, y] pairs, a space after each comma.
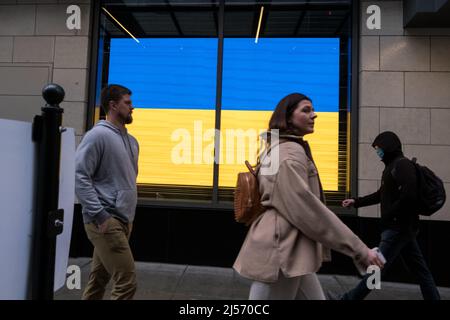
{"points": [[286, 245]]}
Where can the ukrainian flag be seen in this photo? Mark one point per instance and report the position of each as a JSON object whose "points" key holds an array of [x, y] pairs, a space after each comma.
{"points": [[174, 84]]}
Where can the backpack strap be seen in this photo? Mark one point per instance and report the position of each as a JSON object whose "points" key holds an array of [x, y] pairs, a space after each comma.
{"points": [[250, 168], [394, 166], [394, 169], [255, 169]]}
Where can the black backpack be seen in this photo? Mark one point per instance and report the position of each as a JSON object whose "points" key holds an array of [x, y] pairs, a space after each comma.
{"points": [[431, 191]]}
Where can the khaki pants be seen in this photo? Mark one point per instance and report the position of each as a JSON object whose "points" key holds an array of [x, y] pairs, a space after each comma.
{"points": [[112, 259]]}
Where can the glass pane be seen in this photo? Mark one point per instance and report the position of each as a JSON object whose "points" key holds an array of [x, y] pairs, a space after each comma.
{"points": [[173, 83], [166, 53], [274, 49], [257, 76]]}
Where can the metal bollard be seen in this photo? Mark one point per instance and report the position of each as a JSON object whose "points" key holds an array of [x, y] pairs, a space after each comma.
{"points": [[48, 219]]}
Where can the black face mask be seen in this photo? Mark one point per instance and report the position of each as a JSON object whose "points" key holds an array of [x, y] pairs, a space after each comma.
{"points": [[391, 145]]}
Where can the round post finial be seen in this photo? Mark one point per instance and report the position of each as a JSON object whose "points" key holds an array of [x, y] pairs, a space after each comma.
{"points": [[53, 94]]}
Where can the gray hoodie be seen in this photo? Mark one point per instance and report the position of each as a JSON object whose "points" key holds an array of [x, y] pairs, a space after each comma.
{"points": [[106, 170]]}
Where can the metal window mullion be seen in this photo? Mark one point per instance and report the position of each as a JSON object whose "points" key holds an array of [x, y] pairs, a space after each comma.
{"points": [[218, 103], [354, 109], [93, 53]]}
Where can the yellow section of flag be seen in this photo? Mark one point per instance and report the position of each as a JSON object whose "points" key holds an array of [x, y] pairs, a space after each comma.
{"points": [[177, 146]]}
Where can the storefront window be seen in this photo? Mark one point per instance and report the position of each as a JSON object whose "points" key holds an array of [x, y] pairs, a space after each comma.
{"points": [[206, 76]]}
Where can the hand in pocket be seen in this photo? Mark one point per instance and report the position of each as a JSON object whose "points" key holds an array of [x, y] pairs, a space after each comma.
{"points": [[102, 228]]}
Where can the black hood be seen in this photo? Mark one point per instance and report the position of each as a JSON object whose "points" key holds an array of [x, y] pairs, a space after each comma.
{"points": [[391, 145]]}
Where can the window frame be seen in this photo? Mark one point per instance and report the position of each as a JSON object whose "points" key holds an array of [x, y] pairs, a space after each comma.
{"points": [[93, 109]]}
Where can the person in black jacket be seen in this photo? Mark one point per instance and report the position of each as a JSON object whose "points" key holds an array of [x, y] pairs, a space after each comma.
{"points": [[399, 221]]}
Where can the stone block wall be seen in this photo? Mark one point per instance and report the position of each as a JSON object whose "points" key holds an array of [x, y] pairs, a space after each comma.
{"points": [[404, 86], [36, 48]]}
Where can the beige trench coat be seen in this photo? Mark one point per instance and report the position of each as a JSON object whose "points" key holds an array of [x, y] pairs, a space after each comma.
{"points": [[289, 235]]}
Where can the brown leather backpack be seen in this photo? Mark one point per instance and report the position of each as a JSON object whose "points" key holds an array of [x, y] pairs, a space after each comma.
{"points": [[247, 199]]}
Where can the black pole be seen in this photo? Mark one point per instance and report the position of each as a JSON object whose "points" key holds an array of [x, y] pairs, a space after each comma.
{"points": [[48, 219]]}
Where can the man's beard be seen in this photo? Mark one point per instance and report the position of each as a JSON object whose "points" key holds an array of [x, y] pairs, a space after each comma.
{"points": [[127, 119]]}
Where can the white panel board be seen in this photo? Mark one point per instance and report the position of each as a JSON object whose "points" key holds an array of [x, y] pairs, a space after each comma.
{"points": [[66, 201], [17, 171], [16, 207]]}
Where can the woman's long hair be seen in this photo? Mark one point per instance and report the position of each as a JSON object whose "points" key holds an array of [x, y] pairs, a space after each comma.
{"points": [[280, 119], [282, 114]]}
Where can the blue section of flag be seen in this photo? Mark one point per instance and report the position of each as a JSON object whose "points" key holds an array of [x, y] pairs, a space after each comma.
{"points": [[181, 73], [256, 76], [166, 73]]}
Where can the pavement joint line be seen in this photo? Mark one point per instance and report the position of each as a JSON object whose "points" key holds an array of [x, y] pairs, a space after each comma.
{"points": [[339, 282], [178, 283], [88, 261]]}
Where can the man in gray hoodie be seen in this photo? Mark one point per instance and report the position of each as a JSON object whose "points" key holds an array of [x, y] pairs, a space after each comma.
{"points": [[106, 171]]}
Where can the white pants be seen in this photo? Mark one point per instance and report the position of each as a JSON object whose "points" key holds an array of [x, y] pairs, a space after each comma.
{"points": [[306, 287]]}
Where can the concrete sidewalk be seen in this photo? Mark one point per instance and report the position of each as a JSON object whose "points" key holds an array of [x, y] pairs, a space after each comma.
{"points": [[158, 281]]}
